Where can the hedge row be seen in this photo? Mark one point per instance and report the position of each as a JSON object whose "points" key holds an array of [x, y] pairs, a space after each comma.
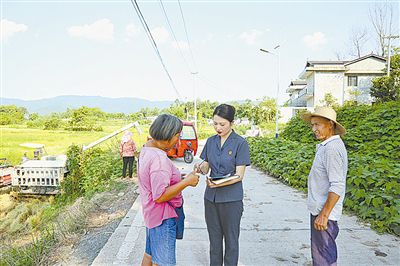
{"points": [[91, 171], [373, 145]]}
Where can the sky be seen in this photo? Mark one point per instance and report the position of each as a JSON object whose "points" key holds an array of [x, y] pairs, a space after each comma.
{"points": [[100, 48]]}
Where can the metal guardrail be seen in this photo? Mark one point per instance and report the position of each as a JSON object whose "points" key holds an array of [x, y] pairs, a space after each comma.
{"points": [[306, 91]]}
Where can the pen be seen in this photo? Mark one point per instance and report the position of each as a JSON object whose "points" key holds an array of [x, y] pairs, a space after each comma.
{"points": [[198, 167]]}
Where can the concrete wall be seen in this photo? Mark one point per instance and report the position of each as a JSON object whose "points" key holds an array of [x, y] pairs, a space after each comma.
{"points": [[364, 87], [370, 64], [310, 84], [328, 82]]}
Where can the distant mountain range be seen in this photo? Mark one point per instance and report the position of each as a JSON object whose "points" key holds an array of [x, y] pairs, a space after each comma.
{"points": [[109, 105]]}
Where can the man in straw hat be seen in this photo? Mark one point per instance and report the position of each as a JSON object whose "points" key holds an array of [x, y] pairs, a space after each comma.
{"points": [[326, 184]]}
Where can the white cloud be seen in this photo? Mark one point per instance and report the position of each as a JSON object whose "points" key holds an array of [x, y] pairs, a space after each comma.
{"points": [[9, 28], [180, 44], [160, 34], [100, 30], [251, 37], [315, 40], [208, 39], [131, 30]]}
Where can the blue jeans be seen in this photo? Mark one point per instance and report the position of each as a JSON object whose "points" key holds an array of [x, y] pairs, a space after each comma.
{"points": [[161, 242]]}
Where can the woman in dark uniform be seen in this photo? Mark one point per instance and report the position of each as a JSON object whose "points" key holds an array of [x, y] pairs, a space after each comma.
{"points": [[225, 153]]}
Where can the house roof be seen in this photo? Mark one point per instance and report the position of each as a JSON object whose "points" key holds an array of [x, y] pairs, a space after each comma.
{"points": [[364, 57], [336, 65], [313, 63], [298, 82], [348, 62]]}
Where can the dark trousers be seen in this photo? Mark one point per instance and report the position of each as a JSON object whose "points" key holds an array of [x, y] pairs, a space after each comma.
{"points": [[323, 244], [223, 223], [128, 161]]}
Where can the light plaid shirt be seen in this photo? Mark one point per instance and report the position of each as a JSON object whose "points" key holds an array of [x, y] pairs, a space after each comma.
{"points": [[328, 174]]}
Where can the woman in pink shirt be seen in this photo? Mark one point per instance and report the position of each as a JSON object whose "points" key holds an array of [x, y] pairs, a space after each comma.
{"points": [[160, 187], [127, 150]]}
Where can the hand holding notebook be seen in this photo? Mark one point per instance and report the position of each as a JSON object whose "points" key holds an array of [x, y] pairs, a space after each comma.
{"points": [[216, 180]]}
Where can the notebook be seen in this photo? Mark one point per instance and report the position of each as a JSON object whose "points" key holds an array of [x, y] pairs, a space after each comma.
{"points": [[222, 179]]}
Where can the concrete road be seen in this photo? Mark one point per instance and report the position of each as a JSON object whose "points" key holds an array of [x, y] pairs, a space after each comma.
{"points": [[274, 230]]}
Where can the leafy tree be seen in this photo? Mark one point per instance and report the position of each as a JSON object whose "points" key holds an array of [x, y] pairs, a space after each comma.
{"points": [[354, 94], [387, 88], [115, 115], [177, 109], [147, 112], [265, 111], [206, 108], [329, 101], [85, 118], [52, 122], [136, 116], [11, 114], [34, 116], [245, 109]]}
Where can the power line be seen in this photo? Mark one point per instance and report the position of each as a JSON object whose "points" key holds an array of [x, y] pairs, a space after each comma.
{"points": [[154, 44], [173, 34], [187, 35], [209, 82]]}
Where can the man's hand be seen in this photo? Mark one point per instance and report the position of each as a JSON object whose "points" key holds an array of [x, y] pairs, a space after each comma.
{"points": [[321, 222]]}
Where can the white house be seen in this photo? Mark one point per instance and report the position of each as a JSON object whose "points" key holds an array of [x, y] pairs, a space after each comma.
{"points": [[339, 78]]}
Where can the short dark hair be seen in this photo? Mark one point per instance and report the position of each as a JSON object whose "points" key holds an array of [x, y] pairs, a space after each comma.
{"points": [[225, 111], [165, 127]]}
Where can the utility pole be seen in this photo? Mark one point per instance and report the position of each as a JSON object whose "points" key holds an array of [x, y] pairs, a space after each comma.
{"points": [[277, 90], [388, 60], [195, 99]]}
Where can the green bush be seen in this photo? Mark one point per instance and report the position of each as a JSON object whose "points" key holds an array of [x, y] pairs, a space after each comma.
{"points": [[298, 130], [91, 171], [373, 145], [100, 168], [37, 123], [51, 123], [288, 160]]}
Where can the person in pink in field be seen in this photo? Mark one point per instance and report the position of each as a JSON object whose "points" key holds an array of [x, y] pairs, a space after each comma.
{"points": [[160, 185], [127, 150]]}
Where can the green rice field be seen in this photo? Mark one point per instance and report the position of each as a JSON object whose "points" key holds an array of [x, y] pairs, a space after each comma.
{"points": [[57, 141]]}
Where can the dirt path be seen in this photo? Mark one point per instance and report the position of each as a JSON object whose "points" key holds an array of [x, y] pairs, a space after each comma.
{"points": [[110, 208]]}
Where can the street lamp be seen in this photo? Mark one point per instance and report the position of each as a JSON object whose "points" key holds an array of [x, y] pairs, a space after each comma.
{"points": [[195, 99], [277, 90]]}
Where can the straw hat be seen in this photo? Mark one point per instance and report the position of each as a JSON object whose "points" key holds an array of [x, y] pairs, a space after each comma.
{"points": [[328, 113]]}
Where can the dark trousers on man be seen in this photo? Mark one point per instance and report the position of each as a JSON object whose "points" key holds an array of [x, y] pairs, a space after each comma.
{"points": [[323, 244], [127, 161], [223, 223]]}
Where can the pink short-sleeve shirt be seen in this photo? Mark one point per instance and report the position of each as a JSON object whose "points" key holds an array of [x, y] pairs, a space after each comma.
{"points": [[157, 172]]}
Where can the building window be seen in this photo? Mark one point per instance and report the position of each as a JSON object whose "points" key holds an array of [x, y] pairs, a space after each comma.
{"points": [[352, 81]]}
